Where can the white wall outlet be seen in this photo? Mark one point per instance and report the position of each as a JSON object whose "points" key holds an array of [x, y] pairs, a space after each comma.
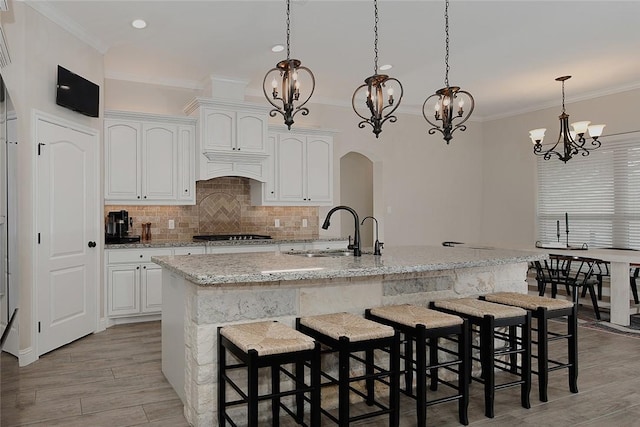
{"points": [[172, 224], [304, 222], [277, 223]]}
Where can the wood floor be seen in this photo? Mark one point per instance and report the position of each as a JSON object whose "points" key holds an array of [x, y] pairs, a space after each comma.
{"points": [[113, 379]]}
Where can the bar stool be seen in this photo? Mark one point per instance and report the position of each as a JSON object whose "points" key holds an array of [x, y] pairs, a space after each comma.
{"points": [[347, 334], [484, 318], [425, 328], [543, 309], [268, 345]]}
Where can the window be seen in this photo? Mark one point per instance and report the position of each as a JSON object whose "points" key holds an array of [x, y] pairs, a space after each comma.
{"points": [[599, 192]]}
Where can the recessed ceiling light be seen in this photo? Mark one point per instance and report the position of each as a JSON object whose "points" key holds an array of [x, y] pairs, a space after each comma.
{"points": [[277, 48], [386, 67], [139, 24]]}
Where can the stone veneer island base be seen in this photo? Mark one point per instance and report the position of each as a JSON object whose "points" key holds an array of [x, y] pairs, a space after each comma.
{"points": [[202, 292]]}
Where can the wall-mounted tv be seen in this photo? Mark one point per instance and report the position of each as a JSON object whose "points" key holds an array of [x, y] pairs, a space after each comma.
{"points": [[77, 93]]}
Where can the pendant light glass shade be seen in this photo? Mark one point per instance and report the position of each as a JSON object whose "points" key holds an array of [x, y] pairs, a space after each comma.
{"points": [[449, 107], [380, 94], [285, 85]]}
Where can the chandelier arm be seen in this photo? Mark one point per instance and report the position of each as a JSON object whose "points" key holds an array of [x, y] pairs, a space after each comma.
{"points": [[424, 113], [264, 90], [353, 103], [313, 85]]}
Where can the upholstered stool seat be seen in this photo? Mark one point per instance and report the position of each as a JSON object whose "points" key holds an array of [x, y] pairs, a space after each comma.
{"points": [[498, 350], [347, 334], [268, 345], [426, 328], [542, 309]]}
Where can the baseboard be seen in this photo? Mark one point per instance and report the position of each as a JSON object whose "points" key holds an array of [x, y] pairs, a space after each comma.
{"points": [[103, 324], [27, 357], [132, 319]]}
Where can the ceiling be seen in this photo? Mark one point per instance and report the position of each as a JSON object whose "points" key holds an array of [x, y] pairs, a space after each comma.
{"points": [[506, 53]]}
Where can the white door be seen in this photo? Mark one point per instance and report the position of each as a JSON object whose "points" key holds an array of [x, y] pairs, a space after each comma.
{"points": [[67, 230]]}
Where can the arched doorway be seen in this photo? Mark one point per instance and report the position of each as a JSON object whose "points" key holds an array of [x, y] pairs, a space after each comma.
{"points": [[356, 191]]}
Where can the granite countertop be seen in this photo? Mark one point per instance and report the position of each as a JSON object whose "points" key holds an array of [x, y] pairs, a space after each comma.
{"points": [[211, 270], [159, 243]]}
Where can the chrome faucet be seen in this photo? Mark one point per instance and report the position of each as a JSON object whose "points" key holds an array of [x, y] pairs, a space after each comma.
{"points": [[357, 250], [377, 245]]}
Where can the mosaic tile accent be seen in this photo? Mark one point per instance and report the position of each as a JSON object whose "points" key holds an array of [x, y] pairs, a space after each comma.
{"points": [[219, 213]]}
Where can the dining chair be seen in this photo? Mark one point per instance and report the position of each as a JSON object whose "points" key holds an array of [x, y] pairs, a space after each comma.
{"points": [[575, 273]]}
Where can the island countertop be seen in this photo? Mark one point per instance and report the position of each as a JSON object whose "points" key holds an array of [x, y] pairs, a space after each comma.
{"points": [[221, 269]]}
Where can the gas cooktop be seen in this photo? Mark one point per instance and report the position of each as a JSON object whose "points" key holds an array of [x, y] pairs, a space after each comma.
{"points": [[214, 237]]}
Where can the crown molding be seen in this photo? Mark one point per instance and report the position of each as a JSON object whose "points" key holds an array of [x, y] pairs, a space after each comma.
{"points": [[178, 83]]}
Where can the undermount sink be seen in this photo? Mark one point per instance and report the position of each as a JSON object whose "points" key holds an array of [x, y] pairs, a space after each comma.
{"points": [[314, 254]]}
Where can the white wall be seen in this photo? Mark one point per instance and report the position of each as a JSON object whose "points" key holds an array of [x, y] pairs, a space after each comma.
{"points": [[37, 46], [509, 191]]}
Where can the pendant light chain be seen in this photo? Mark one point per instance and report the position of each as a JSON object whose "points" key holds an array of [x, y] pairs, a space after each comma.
{"points": [[563, 111], [288, 30], [375, 41], [446, 55]]}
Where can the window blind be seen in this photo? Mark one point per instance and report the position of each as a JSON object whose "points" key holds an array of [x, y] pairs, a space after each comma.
{"points": [[599, 192]]}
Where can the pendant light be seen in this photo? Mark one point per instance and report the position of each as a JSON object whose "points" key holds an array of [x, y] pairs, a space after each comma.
{"points": [[448, 103], [285, 84], [570, 145], [380, 109]]}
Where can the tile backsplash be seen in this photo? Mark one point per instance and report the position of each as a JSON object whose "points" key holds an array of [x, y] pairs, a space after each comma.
{"points": [[223, 206]]}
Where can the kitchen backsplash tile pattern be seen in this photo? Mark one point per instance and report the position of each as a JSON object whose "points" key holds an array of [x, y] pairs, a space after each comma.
{"points": [[223, 205]]}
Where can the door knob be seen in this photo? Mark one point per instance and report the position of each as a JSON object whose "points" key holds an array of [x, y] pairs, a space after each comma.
{"points": [[92, 244]]}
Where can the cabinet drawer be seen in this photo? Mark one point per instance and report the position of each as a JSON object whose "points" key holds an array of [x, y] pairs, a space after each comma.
{"points": [[135, 255], [189, 250]]}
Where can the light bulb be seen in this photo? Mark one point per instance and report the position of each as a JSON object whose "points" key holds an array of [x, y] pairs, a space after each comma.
{"points": [[295, 75], [461, 103], [446, 101], [274, 83], [390, 91]]}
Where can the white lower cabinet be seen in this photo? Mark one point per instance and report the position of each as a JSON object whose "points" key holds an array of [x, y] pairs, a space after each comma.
{"points": [[134, 283]]}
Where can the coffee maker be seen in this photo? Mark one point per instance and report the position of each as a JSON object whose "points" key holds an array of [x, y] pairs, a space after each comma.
{"points": [[117, 228]]}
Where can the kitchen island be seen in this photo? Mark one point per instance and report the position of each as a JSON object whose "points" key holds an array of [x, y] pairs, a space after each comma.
{"points": [[202, 292]]}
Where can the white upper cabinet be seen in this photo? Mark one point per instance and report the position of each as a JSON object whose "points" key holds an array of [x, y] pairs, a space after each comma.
{"points": [[149, 159], [232, 138], [300, 171]]}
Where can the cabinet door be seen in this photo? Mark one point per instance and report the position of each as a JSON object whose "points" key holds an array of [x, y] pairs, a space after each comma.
{"points": [[123, 287], [186, 163], [252, 132], [122, 160], [218, 130], [151, 288], [319, 170], [290, 152], [269, 187], [159, 162]]}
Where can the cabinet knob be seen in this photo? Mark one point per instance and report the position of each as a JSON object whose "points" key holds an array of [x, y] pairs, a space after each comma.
{"points": [[138, 268], [186, 190], [145, 197], [272, 192], [238, 148], [138, 197], [141, 256], [145, 267], [233, 148]]}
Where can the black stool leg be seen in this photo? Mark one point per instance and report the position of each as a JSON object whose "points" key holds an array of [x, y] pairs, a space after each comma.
{"points": [[275, 401], [513, 343], [572, 325], [252, 389], [525, 389], [543, 353], [464, 374], [408, 364], [394, 389], [299, 384], [421, 376], [343, 382], [433, 360], [369, 382], [487, 349], [222, 365], [315, 384]]}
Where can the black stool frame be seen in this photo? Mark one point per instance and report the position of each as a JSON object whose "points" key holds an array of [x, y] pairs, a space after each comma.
{"points": [[429, 338], [485, 327], [345, 350], [544, 337], [253, 362]]}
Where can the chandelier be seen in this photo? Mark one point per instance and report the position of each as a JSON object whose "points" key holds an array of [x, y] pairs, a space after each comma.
{"points": [[290, 73], [381, 106], [447, 104], [570, 145]]}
